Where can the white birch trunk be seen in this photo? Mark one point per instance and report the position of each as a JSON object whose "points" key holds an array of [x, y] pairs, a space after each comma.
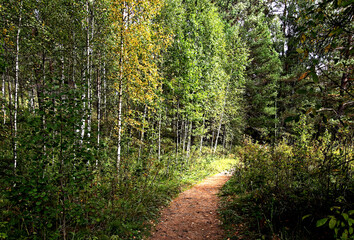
{"points": [[83, 121], [120, 97], [185, 134], [104, 91], [120, 102], [142, 133], [218, 132], [189, 141], [98, 113], [17, 72], [202, 136], [88, 49], [32, 101]]}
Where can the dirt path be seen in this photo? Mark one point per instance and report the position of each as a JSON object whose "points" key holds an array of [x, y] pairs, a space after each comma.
{"points": [[193, 215]]}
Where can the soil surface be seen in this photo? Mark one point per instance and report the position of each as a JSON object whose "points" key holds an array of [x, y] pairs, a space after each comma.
{"points": [[193, 215]]}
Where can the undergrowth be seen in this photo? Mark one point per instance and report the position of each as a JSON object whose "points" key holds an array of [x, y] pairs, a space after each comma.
{"points": [[103, 208], [142, 201], [298, 191]]}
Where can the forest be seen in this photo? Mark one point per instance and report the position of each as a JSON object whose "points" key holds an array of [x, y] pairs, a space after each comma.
{"points": [[110, 108]]}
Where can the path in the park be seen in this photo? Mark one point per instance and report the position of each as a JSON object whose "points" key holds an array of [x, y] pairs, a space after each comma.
{"points": [[193, 215]]}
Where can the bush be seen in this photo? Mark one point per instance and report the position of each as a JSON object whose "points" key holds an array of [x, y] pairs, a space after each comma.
{"points": [[276, 186]]}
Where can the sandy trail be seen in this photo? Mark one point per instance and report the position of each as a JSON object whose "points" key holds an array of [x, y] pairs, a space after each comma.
{"points": [[193, 215]]}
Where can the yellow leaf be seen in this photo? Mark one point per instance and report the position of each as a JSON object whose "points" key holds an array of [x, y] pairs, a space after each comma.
{"points": [[304, 75], [303, 38], [309, 110], [327, 48]]}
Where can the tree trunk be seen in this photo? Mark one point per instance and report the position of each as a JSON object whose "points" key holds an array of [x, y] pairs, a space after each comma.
{"points": [[218, 132], [43, 93], [98, 114], [185, 134], [201, 136], [9, 89], [142, 133], [83, 121], [177, 130], [221, 119], [104, 91], [89, 69], [120, 95], [32, 101], [159, 138], [17, 72], [189, 141], [120, 102], [224, 138]]}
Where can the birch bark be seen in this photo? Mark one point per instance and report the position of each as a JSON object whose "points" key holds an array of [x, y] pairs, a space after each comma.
{"points": [[202, 136], [17, 72], [120, 94]]}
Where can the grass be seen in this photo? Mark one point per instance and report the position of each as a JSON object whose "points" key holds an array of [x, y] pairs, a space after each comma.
{"points": [[204, 167], [140, 202]]}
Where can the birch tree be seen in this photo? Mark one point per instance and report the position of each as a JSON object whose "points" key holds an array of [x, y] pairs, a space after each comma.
{"points": [[136, 42], [17, 73]]}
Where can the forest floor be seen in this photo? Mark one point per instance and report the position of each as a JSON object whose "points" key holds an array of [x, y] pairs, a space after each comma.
{"points": [[193, 214]]}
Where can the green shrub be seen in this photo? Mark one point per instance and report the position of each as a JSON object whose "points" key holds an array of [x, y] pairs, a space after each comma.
{"points": [[275, 186]]}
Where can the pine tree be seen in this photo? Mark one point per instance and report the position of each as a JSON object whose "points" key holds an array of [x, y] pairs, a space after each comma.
{"points": [[262, 79]]}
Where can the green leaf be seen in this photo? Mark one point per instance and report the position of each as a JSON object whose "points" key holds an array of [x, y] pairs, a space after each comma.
{"points": [[345, 3], [335, 207], [297, 118], [351, 231], [314, 76], [301, 91], [321, 222], [332, 223], [351, 212], [289, 119], [345, 216], [306, 216], [345, 234], [299, 50], [350, 221]]}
